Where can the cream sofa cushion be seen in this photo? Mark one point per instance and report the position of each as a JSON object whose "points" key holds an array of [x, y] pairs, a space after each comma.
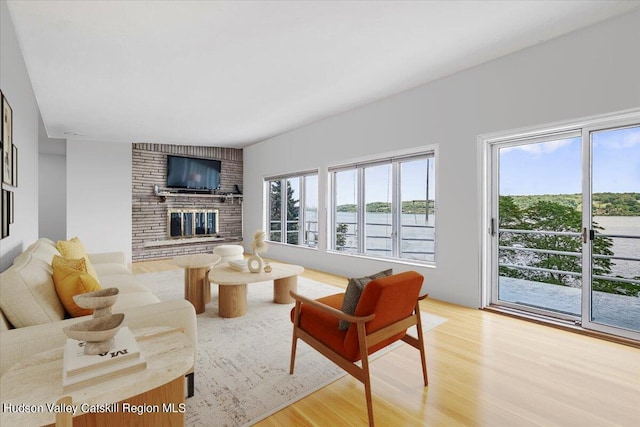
{"points": [[125, 284], [4, 323], [42, 248], [111, 269], [27, 293], [134, 299]]}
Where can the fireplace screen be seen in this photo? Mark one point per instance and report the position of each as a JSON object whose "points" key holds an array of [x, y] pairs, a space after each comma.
{"points": [[192, 223]]}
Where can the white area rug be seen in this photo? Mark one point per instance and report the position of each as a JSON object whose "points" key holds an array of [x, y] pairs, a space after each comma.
{"points": [[242, 366]]}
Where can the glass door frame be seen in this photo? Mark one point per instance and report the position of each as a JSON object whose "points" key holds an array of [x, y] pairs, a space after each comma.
{"points": [[587, 219], [493, 229], [488, 168]]}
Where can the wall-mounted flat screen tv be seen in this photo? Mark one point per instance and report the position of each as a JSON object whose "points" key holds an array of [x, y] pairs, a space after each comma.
{"points": [[193, 173]]}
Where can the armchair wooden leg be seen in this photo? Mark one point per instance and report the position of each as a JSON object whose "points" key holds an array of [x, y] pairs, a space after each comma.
{"points": [[367, 392], [423, 357], [294, 339], [293, 352], [364, 373]]}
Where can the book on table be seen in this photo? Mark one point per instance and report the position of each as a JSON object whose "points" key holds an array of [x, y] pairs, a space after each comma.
{"points": [[80, 370], [239, 265]]}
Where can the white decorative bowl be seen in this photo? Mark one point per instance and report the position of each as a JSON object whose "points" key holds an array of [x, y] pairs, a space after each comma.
{"points": [[100, 301], [98, 332]]}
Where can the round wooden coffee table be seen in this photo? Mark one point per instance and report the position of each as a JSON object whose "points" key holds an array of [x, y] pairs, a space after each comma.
{"points": [[232, 289], [197, 289]]}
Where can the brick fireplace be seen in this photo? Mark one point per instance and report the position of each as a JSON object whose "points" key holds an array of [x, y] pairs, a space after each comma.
{"points": [[166, 224]]}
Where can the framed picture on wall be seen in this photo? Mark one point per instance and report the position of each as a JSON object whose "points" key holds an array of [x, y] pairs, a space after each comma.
{"points": [[5, 213], [7, 142], [1, 141], [14, 166], [11, 207]]}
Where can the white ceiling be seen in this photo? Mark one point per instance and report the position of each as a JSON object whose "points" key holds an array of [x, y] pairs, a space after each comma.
{"points": [[231, 73]]}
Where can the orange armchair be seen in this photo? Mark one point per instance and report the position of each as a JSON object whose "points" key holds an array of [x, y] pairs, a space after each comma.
{"points": [[387, 307]]}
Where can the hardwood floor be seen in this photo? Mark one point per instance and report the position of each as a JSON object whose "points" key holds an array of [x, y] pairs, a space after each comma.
{"points": [[485, 369]]}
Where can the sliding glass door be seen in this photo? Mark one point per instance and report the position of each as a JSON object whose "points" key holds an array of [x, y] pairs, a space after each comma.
{"points": [[538, 225], [612, 300], [565, 226]]}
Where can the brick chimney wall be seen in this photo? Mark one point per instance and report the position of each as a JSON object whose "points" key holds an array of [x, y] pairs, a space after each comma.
{"points": [[149, 212]]}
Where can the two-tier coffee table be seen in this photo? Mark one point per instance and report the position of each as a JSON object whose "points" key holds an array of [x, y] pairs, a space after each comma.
{"points": [[232, 289], [197, 289], [151, 397]]}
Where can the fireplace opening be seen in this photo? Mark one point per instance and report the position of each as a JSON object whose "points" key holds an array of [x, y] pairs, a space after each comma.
{"points": [[187, 223]]}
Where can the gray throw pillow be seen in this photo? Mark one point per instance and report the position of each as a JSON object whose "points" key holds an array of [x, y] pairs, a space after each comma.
{"points": [[353, 293]]}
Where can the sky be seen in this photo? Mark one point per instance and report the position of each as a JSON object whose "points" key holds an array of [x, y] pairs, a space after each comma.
{"points": [[554, 167]]}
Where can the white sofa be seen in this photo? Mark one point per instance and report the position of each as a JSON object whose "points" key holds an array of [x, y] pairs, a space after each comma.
{"points": [[32, 317]]}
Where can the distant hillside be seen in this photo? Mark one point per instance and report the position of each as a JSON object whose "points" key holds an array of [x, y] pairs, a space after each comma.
{"points": [[409, 207], [605, 204]]}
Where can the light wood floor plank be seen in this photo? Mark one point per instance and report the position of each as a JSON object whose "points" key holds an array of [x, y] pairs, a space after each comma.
{"points": [[485, 369]]}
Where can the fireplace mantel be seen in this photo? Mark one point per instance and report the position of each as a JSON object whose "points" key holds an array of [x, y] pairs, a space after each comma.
{"points": [[163, 193], [178, 242]]}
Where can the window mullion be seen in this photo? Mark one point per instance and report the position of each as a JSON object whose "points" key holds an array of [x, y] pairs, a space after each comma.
{"points": [[267, 211], [269, 208], [396, 210], [334, 203], [360, 216], [302, 182], [284, 194]]}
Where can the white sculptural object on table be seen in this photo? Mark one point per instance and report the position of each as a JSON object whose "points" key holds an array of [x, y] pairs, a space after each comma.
{"points": [[99, 331], [258, 246]]}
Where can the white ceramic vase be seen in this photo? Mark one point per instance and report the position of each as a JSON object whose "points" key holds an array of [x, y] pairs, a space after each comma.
{"points": [[255, 263]]}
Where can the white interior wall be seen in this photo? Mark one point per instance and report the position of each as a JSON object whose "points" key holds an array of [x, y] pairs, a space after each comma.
{"points": [[52, 218], [16, 86], [589, 72], [99, 195], [52, 186]]}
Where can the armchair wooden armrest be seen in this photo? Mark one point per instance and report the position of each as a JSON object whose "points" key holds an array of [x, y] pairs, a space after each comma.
{"points": [[330, 310]]}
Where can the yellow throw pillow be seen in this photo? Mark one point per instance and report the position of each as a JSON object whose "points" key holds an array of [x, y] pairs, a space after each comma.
{"points": [[74, 249], [77, 264], [69, 282]]}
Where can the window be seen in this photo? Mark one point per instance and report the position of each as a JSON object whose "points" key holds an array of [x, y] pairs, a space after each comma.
{"points": [[385, 208], [292, 214]]}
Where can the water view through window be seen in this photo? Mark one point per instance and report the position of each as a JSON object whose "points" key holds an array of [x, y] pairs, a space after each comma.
{"points": [[542, 225], [397, 215], [615, 180]]}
